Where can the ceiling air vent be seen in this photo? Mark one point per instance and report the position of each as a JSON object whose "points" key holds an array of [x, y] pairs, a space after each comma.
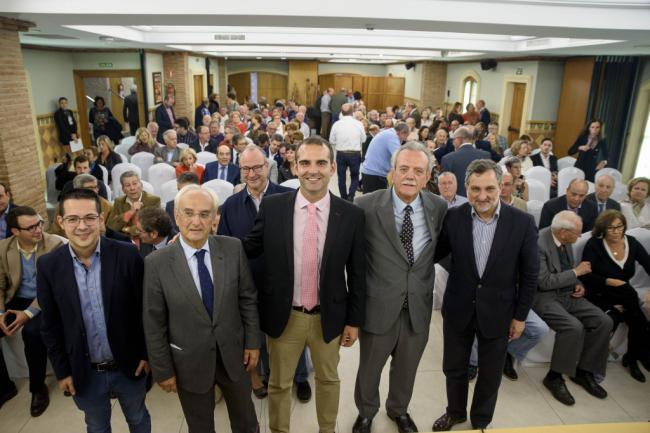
{"points": [[229, 37], [46, 36]]}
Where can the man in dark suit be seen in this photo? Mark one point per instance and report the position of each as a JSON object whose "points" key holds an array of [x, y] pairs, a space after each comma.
{"points": [[65, 123], [601, 196], [5, 206], [547, 160], [574, 200], [200, 317], [222, 168], [90, 293], [465, 153], [201, 110], [203, 142], [131, 111], [165, 117], [411, 110], [154, 229], [186, 178], [82, 166], [484, 114], [403, 224], [314, 287], [486, 297]]}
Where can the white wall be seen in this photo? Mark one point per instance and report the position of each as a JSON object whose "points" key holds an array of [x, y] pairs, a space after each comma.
{"points": [[153, 63], [86, 61], [546, 101], [273, 66], [412, 79], [50, 74], [352, 68]]}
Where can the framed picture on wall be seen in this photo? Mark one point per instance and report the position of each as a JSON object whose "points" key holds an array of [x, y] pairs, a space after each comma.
{"points": [[157, 87]]}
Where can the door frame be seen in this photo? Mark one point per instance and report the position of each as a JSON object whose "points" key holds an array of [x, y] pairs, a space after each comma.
{"points": [[506, 102], [83, 104]]}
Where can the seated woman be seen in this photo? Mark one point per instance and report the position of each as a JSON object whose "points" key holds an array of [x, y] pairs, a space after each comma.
{"points": [[107, 156], [188, 163], [513, 165], [288, 170], [636, 208], [144, 142], [521, 149], [613, 256], [423, 134]]}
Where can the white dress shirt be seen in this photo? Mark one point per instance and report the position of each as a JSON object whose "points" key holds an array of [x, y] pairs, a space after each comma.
{"points": [[347, 134], [192, 262]]}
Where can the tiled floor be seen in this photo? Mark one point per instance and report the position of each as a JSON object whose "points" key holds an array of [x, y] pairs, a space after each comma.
{"points": [[522, 403]]}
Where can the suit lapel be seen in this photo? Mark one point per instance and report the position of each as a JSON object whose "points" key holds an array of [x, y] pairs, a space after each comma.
{"points": [[108, 271], [181, 269], [333, 224], [467, 236], [288, 230], [219, 276], [500, 235], [70, 282], [386, 217], [15, 266]]}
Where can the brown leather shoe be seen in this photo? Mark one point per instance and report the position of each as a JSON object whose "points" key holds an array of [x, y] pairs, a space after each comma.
{"points": [[446, 422]]}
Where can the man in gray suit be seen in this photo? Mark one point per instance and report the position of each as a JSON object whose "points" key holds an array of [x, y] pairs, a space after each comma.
{"points": [[169, 153], [200, 317], [403, 224], [582, 329], [465, 152]]}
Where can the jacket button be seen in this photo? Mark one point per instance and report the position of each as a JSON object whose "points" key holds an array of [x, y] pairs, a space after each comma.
{"points": [[473, 301], [480, 285]]}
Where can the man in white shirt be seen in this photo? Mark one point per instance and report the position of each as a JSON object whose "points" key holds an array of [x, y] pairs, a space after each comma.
{"points": [[304, 128], [448, 185], [347, 136]]}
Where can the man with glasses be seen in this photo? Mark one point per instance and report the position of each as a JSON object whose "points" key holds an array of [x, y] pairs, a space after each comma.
{"points": [[91, 295], [18, 305]]}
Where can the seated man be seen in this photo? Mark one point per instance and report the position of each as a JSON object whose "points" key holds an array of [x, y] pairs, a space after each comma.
{"points": [[508, 197], [573, 201], [448, 186], [122, 216], [184, 179], [154, 229], [82, 166], [603, 191], [222, 168], [203, 143], [582, 329], [18, 305], [169, 153], [184, 135]]}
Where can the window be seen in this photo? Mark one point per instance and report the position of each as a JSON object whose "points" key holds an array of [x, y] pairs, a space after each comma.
{"points": [[644, 153], [470, 87]]}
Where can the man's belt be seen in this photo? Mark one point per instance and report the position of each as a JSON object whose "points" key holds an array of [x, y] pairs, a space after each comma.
{"points": [[315, 310]]}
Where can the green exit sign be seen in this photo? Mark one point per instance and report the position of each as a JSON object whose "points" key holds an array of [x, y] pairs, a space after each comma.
{"points": [[105, 65]]}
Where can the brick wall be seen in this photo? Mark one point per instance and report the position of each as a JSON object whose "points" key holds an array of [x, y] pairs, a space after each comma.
{"points": [[176, 71], [434, 84], [223, 80], [19, 160]]}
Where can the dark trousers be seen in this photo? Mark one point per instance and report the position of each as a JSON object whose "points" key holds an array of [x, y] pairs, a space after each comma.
{"points": [[325, 119], [199, 408], [35, 351], [373, 183], [491, 358], [345, 160], [133, 126]]}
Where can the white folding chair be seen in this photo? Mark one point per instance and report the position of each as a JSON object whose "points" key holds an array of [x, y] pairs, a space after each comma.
{"points": [[52, 195], [564, 162], [104, 175], [183, 146], [159, 174], [541, 174], [579, 246], [128, 141], [168, 191], [204, 158], [144, 160], [146, 186], [109, 193], [620, 192], [537, 190], [223, 188], [535, 209], [123, 150], [123, 157], [614, 173], [566, 175], [117, 171], [291, 183]]}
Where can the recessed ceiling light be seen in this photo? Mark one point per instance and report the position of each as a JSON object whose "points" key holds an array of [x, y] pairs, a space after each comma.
{"points": [[258, 58], [283, 58]]}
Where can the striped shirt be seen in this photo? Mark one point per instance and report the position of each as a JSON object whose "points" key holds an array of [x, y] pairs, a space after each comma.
{"points": [[483, 234]]}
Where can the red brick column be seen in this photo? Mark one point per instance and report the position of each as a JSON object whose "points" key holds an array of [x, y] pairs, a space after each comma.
{"points": [[223, 80], [19, 164], [176, 71]]}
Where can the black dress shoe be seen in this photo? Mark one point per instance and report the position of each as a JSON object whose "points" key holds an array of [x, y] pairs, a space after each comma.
{"points": [[8, 393], [586, 380], [261, 392], [509, 368], [303, 391], [472, 372], [40, 401], [633, 367], [446, 422], [559, 390], [362, 425], [404, 423]]}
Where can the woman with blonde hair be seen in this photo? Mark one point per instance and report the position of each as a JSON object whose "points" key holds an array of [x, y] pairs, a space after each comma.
{"points": [[521, 149], [188, 163], [144, 142], [513, 165], [107, 156], [636, 208]]}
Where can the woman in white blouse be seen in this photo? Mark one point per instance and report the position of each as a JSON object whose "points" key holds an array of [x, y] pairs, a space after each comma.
{"points": [[636, 208]]}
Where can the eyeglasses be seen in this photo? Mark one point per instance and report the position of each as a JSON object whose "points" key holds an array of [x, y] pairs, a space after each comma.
{"points": [[615, 228], [89, 220], [204, 215], [255, 168], [32, 228]]}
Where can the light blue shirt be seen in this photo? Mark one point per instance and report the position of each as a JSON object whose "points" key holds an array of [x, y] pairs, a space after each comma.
{"points": [[3, 223], [192, 262], [89, 285], [456, 201], [421, 235], [380, 150], [483, 234], [325, 103]]}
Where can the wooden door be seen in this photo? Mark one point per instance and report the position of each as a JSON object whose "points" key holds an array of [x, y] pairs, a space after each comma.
{"points": [[516, 111], [272, 86], [117, 103], [359, 84], [375, 90], [242, 84], [394, 91], [198, 90], [342, 82]]}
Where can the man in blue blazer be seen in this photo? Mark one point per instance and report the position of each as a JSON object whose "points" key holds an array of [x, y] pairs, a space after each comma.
{"points": [[222, 168], [575, 201], [486, 296], [165, 117], [465, 153], [90, 293]]}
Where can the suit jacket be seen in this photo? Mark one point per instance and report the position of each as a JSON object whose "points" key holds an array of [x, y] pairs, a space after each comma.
{"points": [[507, 287], [440, 152], [64, 126], [588, 212], [457, 163], [182, 340], [160, 155], [415, 114], [587, 161], [162, 119], [389, 278], [211, 147], [63, 329], [484, 116], [146, 249], [537, 161], [130, 110], [551, 275], [611, 204], [120, 206], [342, 300], [485, 145], [9, 207], [212, 172], [11, 266]]}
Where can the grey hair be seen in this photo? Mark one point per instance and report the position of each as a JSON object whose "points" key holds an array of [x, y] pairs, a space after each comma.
{"points": [[252, 148], [81, 179], [605, 175], [168, 132], [447, 174], [129, 173], [480, 166], [565, 220], [465, 133], [574, 180], [193, 187], [402, 127], [417, 147]]}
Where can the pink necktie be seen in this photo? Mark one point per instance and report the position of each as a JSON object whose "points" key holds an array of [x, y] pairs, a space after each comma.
{"points": [[309, 278]]}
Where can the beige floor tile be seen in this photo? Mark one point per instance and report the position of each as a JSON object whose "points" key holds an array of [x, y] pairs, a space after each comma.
{"points": [[632, 396], [61, 416]]}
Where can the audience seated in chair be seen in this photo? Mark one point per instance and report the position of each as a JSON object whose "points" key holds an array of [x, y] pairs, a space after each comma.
{"points": [[574, 201]]}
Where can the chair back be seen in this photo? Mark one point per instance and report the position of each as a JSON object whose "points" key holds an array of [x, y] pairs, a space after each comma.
{"points": [[224, 189], [159, 174], [565, 176], [144, 160]]}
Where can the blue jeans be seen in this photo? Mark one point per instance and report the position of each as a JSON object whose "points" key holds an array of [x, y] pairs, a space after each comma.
{"points": [[302, 372], [95, 401], [343, 161], [535, 330]]}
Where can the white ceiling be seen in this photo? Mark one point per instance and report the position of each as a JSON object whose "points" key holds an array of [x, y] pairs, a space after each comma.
{"points": [[377, 31]]}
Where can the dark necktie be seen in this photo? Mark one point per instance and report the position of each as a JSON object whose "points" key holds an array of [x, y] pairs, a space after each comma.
{"points": [[223, 173], [237, 159], [207, 289], [407, 234]]}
